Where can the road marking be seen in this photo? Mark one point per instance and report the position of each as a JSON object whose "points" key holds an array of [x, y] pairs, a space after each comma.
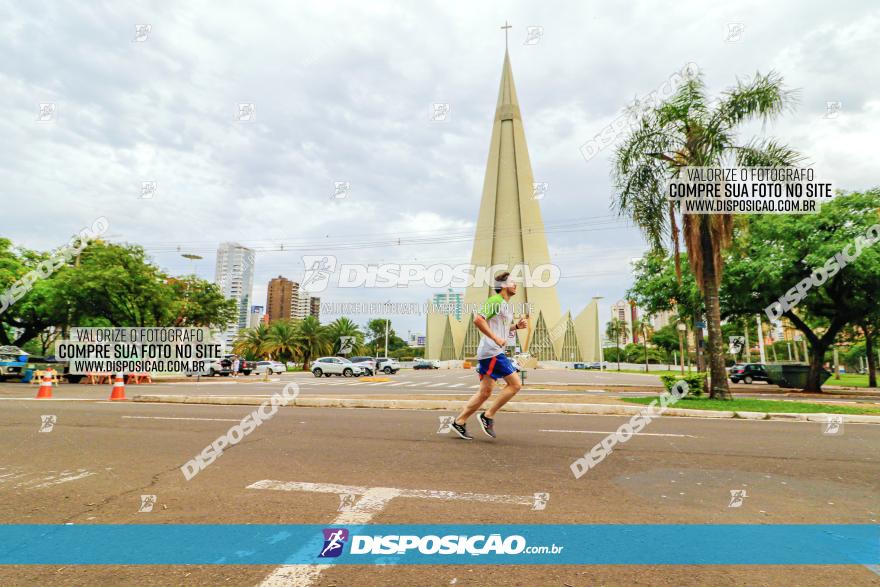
{"points": [[171, 418], [437, 384], [372, 501], [52, 479], [634, 434], [397, 384], [457, 385]]}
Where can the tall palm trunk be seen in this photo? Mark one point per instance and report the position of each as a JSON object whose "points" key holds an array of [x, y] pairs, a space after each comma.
{"points": [[719, 389], [869, 351]]}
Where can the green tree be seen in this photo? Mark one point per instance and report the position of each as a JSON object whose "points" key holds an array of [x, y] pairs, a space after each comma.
{"points": [[616, 330], [666, 338], [687, 130], [253, 343], [376, 336], [773, 253], [312, 340], [282, 340]]}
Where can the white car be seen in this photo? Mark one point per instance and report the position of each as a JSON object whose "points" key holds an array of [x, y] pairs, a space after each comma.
{"points": [[341, 366], [271, 367]]}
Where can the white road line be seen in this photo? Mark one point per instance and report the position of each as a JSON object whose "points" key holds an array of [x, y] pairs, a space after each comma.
{"points": [[437, 384], [634, 434], [378, 383], [171, 418], [372, 501], [457, 385], [397, 384]]}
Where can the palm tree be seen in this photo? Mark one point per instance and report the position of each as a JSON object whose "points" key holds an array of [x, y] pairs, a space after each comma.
{"points": [[641, 326], [688, 130], [252, 342], [616, 330], [282, 341], [344, 327], [311, 340]]}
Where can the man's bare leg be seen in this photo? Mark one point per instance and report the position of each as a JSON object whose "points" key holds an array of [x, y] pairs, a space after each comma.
{"points": [[511, 389], [477, 400]]}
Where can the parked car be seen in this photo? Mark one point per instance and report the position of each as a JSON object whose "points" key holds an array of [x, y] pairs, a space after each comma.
{"points": [[222, 367], [597, 365], [748, 373], [387, 366], [426, 364], [245, 367], [368, 363], [271, 367], [341, 366]]}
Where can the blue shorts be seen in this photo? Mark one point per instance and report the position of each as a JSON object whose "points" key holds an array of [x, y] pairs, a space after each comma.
{"points": [[497, 367]]}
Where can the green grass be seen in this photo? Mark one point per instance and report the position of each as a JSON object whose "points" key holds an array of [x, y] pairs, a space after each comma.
{"points": [[763, 405], [849, 380]]}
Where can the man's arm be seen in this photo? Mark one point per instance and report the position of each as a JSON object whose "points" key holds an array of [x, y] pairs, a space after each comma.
{"points": [[483, 326]]}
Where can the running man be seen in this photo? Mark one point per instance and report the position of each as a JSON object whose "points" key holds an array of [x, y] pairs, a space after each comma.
{"points": [[494, 322]]}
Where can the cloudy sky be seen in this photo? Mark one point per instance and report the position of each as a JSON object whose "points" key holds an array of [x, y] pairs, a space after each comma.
{"points": [[343, 92]]}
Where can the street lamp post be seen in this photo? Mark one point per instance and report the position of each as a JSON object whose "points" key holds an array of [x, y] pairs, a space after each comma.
{"points": [[681, 330], [599, 333]]}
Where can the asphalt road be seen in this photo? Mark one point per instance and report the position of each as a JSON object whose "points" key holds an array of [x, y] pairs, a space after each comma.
{"points": [[100, 457]]}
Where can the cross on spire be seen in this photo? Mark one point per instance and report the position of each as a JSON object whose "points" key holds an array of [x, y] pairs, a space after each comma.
{"points": [[505, 28]]}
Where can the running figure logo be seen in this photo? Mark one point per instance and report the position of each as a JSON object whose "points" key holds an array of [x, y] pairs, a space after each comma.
{"points": [[334, 540], [318, 271]]}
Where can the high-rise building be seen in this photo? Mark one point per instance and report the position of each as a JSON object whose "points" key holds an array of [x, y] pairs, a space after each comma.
{"points": [[255, 318], [510, 233], [234, 273], [626, 312], [279, 294], [449, 302], [286, 299], [299, 303]]}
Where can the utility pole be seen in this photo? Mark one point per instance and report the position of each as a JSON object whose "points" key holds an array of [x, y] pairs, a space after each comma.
{"points": [[386, 337]]}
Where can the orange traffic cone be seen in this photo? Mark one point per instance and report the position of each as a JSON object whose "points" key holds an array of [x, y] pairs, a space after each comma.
{"points": [[118, 392], [45, 391]]}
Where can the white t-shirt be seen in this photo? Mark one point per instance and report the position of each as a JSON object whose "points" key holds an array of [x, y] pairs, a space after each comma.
{"points": [[499, 315]]}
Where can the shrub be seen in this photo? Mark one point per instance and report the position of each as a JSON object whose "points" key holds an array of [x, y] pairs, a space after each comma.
{"points": [[695, 381]]}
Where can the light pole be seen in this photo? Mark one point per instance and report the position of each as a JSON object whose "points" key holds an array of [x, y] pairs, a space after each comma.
{"points": [[761, 338], [681, 335], [599, 333]]}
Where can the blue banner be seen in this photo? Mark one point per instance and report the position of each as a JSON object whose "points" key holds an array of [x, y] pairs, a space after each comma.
{"points": [[521, 544]]}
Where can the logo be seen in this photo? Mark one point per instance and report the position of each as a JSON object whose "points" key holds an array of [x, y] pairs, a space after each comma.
{"points": [[148, 190], [346, 345], [540, 502], [141, 32], [734, 32], [247, 112], [47, 112], [534, 35], [737, 343], [440, 111], [347, 502], [445, 424], [147, 503], [47, 423], [832, 109], [737, 496], [318, 271], [334, 541], [341, 189], [833, 425], [539, 190]]}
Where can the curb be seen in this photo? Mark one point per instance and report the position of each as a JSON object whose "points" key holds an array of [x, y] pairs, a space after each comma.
{"points": [[521, 407]]}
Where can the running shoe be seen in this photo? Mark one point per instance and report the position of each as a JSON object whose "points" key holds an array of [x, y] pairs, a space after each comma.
{"points": [[461, 430], [487, 424]]}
